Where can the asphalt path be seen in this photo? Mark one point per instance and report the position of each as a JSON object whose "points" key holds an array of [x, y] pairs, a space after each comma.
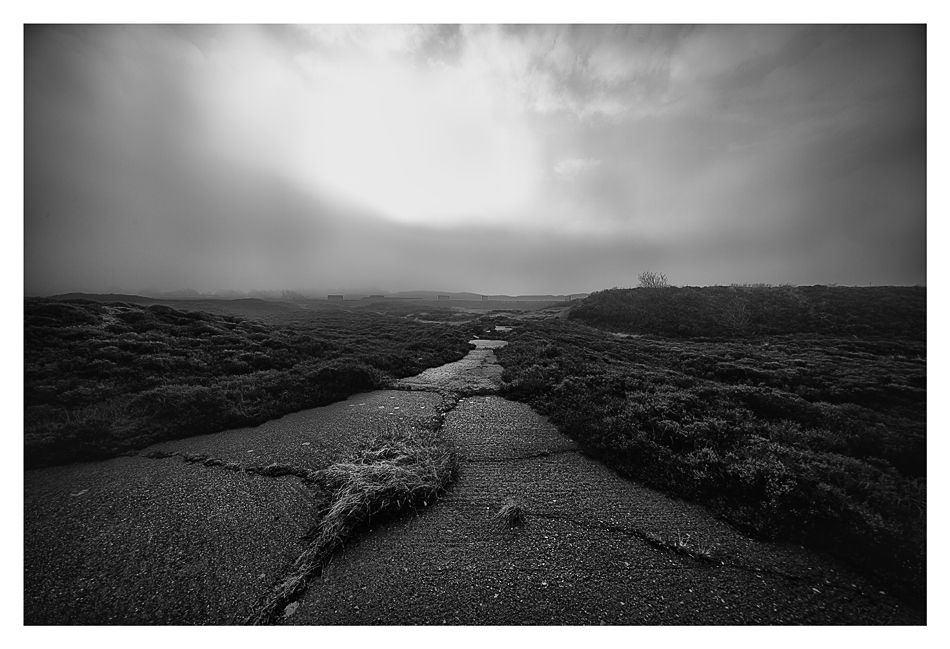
{"points": [[477, 373], [594, 549], [154, 539], [186, 532]]}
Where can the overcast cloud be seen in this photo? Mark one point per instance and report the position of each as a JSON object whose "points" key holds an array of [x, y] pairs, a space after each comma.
{"points": [[528, 159]]}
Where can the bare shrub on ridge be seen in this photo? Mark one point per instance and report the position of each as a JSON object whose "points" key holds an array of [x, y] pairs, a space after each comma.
{"points": [[649, 279]]}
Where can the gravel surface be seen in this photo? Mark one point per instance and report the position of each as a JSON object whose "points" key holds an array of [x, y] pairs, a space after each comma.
{"points": [[138, 540], [595, 549]]}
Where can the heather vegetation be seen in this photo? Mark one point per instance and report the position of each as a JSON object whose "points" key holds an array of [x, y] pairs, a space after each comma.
{"points": [[796, 413], [106, 378], [741, 311]]}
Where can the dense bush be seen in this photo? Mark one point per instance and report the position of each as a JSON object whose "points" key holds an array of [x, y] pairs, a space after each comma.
{"points": [[104, 378], [816, 439]]}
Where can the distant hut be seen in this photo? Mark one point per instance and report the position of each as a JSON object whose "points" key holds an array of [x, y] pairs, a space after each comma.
{"points": [[444, 298], [335, 298]]}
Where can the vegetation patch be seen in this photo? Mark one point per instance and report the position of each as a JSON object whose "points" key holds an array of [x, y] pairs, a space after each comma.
{"points": [[739, 311], [818, 438], [697, 550], [107, 378], [510, 515], [403, 469]]}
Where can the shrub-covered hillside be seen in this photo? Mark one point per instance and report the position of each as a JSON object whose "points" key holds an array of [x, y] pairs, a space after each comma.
{"points": [[816, 437], [104, 378], [731, 311]]}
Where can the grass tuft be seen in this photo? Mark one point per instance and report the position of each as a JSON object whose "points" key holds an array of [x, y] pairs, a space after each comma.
{"points": [[403, 469], [686, 546], [510, 515]]}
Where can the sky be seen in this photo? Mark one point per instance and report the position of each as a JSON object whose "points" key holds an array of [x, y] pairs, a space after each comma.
{"points": [[526, 159]]}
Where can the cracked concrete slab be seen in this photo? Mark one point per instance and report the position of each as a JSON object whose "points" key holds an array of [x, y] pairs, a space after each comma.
{"points": [[314, 438], [161, 541], [595, 549], [138, 540], [141, 541], [477, 373]]}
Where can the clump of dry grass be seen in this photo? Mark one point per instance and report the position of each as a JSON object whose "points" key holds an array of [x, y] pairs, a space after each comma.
{"points": [[402, 469], [510, 515]]}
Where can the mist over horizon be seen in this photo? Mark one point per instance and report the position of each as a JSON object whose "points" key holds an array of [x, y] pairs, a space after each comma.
{"points": [[524, 160]]}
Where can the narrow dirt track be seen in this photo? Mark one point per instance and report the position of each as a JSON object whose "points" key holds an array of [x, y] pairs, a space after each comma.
{"points": [[595, 548]]}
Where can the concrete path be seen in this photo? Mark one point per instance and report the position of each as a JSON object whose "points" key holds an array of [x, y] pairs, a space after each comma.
{"points": [[188, 533], [477, 373], [140, 541], [595, 549], [159, 540]]}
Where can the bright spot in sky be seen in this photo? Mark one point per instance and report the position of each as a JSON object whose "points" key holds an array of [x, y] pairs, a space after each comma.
{"points": [[497, 159], [414, 143], [438, 153]]}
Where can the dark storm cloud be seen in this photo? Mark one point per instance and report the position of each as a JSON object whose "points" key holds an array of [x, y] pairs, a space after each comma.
{"points": [[502, 160]]}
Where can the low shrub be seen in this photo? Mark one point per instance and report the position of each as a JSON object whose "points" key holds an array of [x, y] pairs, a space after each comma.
{"points": [[108, 378], [738, 311]]}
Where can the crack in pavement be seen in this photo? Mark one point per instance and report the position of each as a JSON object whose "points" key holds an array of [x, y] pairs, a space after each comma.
{"points": [[650, 539], [282, 600], [273, 470], [486, 427], [646, 537], [704, 557], [315, 478], [519, 458]]}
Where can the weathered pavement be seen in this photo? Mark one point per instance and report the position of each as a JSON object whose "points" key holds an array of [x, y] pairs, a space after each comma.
{"points": [[595, 549], [158, 540], [477, 373]]}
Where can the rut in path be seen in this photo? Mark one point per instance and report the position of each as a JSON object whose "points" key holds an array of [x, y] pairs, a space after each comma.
{"points": [[594, 548]]}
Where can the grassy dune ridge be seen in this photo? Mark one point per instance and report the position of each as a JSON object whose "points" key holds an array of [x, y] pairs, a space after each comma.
{"points": [[788, 430], [106, 378]]}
